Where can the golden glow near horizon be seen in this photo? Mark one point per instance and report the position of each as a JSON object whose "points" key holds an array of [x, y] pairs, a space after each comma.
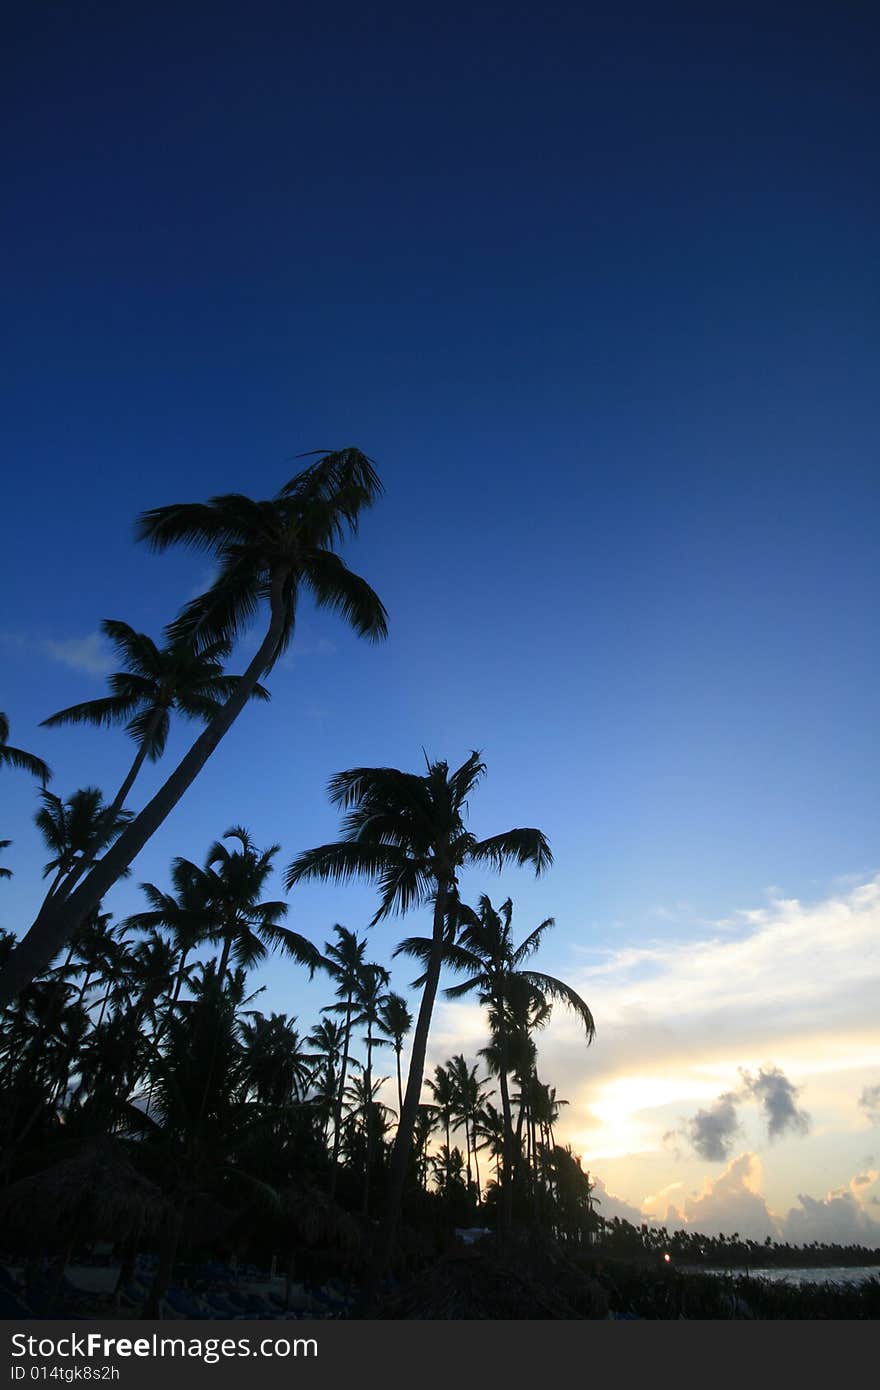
{"points": [[681, 1026]]}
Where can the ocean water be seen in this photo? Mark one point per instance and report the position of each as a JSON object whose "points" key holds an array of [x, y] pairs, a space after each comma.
{"points": [[822, 1274]]}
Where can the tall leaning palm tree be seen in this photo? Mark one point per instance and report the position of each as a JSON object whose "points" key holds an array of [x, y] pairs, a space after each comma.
{"points": [[267, 552], [154, 683], [408, 833]]}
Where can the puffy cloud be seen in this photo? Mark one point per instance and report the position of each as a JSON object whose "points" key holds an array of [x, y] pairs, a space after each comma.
{"points": [[777, 1095], [869, 1100], [712, 1132], [733, 1203], [609, 1205], [837, 1219], [88, 654]]}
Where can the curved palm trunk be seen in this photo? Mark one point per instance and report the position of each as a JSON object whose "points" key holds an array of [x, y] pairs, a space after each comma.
{"points": [[63, 890], [399, 1086], [403, 1140], [56, 921]]}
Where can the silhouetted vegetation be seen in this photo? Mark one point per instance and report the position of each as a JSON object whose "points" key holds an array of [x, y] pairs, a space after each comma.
{"points": [[154, 1117]]}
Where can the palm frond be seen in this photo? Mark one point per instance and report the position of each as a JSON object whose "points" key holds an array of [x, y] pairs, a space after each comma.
{"points": [[337, 863], [336, 587], [533, 940], [561, 993], [522, 846], [109, 710]]}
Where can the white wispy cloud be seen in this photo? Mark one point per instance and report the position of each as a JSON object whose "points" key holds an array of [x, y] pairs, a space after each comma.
{"points": [[773, 1011], [88, 654], [793, 969]]}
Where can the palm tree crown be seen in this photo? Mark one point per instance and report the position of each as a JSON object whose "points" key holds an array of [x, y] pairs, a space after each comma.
{"points": [[154, 682], [408, 832], [270, 549]]}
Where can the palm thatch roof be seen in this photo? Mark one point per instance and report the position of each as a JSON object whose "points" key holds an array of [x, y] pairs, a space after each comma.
{"points": [[318, 1221], [94, 1193]]}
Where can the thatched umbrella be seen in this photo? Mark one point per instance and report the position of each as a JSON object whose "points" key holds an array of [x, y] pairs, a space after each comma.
{"points": [[95, 1193]]}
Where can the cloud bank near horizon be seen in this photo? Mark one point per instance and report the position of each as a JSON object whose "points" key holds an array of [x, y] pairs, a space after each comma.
{"points": [[701, 1039]]}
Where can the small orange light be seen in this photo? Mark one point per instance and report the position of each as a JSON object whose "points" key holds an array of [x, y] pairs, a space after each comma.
{"points": [[667, 1258]]}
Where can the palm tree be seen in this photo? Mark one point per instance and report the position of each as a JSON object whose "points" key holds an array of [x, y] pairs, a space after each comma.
{"points": [[328, 1039], [372, 980], [268, 551], [485, 952], [408, 832], [343, 960], [395, 1020], [467, 1093], [184, 913], [277, 1069], [230, 886], [442, 1088], [426, 1123], [4, 872], [17, 757], [75, 831], [154, 682]]}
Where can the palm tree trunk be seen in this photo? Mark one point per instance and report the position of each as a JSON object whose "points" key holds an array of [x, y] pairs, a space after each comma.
{"points": [[368, 1116], [337, 1118], [476, 1161], [165, 1269], [403, 1140], [506, 1210], [224, 959], [56, 921], [399, 1087], [109, 816]]}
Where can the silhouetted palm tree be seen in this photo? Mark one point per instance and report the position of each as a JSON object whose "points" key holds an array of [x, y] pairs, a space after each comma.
{"points": [[155, 682], [467, 1091], [372, 981], [408, 833], [442, 1088], [277, 1069], [268, 551], [395, 1020], [343, 960], [17, 757], [75, 830], [185, 913], [485, 951], [328, 1040], [230, 886]]}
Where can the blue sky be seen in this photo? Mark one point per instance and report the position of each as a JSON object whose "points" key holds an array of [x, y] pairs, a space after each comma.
{"points": [[597, 290]]}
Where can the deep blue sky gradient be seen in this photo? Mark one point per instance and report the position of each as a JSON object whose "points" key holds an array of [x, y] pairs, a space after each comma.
{"points": [[597, 289]]}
